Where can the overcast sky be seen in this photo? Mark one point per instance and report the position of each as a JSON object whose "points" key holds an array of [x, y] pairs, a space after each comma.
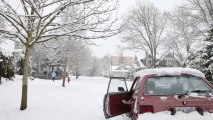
{"points": [[111, 44]]}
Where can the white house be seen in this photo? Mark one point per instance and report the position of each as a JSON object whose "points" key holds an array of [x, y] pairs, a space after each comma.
{"points": [[121, 71]]}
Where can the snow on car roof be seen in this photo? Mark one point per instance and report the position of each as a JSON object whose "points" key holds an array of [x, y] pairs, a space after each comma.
{"points": [[169, 71]]}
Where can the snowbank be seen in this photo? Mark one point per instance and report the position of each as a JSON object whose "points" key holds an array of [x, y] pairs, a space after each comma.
{"points": [[177, 116], [81, 99]]}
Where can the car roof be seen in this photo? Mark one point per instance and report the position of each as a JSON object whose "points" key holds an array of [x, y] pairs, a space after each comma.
{"points": [[169, 71]]}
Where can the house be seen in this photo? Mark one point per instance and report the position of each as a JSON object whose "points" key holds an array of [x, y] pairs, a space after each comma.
{"points": [[121, 71], [168, 60], [118, 60]]}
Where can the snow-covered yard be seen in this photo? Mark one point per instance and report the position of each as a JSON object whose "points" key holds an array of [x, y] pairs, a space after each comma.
{"points": [[80, 100]]}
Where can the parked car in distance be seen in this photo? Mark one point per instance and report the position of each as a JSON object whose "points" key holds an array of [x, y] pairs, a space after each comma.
{"points": [[159, 89]]}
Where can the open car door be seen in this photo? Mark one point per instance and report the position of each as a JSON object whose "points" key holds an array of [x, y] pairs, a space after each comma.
{"points": [[116, 92]]}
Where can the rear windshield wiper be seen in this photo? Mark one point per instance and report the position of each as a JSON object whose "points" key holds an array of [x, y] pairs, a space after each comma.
{"points": [[201, 91], [194, 91], [181, 95]]}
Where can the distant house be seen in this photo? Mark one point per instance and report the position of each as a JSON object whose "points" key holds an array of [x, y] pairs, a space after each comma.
{"points": [[168, 60], [118, 60], [121, 71]]}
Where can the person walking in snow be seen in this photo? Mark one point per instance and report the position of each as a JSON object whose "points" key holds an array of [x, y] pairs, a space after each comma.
{"points": [[53, 74], [69, 78]]}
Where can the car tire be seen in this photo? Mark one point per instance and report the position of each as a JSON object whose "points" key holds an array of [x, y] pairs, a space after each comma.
{"points": [[172, 110], [132, 118], [200, 111]]}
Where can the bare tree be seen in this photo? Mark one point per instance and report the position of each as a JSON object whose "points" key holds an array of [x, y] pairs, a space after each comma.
{"points": [[38, 21], [40, 57], [2, 24], [68, 53], [71, 50], [143, 29], [79, 57], [190, 22], [106, 61], [201, 11], [182, 33]]}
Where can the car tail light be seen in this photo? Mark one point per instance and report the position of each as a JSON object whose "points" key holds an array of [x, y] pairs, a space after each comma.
{"points": [[146, 108]]}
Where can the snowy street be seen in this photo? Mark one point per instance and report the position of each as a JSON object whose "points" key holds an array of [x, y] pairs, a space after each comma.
{"points": [[80, 100]]}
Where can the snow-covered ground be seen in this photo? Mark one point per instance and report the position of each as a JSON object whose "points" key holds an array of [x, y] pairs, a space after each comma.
{"points": [[81, 99]]}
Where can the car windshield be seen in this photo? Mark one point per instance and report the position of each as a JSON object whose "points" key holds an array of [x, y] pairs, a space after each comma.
{"points": [[175, 85]]}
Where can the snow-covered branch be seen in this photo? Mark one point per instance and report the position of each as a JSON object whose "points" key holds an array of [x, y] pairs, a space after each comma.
{"points": [[12, 35]]}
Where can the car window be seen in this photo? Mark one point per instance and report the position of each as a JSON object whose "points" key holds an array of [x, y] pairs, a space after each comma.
{"points": [[169, 85], [198, 84], [115, 84]]}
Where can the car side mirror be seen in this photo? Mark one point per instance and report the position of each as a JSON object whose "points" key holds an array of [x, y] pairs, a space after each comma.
{"points": [[121, 89]]}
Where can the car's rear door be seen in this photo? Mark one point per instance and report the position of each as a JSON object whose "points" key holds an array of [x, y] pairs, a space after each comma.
{"points": [[116, 92]]}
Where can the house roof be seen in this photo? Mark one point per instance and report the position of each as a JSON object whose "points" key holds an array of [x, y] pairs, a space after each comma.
{"points": [[121, 67], [166, 55]]}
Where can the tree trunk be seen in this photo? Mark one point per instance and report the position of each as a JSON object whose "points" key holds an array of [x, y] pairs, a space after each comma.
{"points": [[25, 78], [155, 58], [64, 72], [37, 68], [77, 73]]}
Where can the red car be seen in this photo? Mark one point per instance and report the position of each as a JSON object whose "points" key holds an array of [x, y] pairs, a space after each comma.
{"points": [[159, 89]]}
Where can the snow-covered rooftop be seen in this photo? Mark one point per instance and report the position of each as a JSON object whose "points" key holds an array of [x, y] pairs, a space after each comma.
{"points": [[169, 71], [120, 70], [121, 67]]}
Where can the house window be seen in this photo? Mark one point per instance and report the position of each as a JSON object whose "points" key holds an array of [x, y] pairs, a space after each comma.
{"points": [[169, 62]]}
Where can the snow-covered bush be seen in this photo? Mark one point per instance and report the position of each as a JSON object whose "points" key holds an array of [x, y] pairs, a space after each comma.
{"points": [[6, 49], [7, 67]]}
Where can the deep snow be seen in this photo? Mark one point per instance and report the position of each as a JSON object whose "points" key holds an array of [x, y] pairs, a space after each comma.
{"points": [[81, 99]]}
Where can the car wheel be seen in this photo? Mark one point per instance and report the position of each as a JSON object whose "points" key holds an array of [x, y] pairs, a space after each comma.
{"points": [[132, 117], [172, 110], [200, 111]]}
